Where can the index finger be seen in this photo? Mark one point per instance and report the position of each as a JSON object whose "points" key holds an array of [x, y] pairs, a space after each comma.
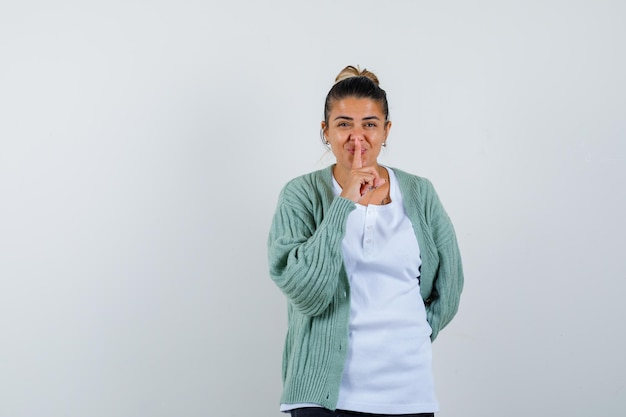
{"points": [[357, 162]]}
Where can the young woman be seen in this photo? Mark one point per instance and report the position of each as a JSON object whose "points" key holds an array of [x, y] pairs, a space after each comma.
{"points": [[369, 262]]}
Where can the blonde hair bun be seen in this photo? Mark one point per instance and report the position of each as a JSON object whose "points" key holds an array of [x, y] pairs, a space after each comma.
{"points": [[351, 71]]}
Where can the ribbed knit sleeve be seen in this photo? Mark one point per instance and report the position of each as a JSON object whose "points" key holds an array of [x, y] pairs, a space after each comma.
{"points": [[447, 288], [304, 247], [448, 283]]}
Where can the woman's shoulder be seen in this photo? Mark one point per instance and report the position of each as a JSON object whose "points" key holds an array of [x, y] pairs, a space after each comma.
{"points": [[409, 180], [310, 180], [306, 185], [420, 191]]}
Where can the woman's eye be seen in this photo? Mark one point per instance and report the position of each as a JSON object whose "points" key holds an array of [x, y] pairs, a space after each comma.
{"points": [[370, 125]]}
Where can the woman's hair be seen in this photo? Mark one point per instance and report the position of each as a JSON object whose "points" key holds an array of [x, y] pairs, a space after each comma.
{"points": [[357, 83]]}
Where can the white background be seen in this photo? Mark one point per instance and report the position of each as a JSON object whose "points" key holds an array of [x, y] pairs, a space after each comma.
{"points": [[143, 145]]}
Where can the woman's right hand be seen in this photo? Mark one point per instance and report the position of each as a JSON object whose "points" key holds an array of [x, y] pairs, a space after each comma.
{"points": [[361, 180]]}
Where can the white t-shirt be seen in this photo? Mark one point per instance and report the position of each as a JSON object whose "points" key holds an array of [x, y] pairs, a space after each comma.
{"points": [[388, 366]]}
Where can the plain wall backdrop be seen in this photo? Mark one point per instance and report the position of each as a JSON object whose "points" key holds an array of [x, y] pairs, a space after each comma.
{"points": [[143, 145]]}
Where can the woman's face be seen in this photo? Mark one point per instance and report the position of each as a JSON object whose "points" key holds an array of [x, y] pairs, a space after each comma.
{"points": [[353, 119]]}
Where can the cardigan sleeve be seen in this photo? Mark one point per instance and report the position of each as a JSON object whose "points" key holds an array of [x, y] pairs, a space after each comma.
{"points": [[447, 289], [304, 258], [443, 303]]}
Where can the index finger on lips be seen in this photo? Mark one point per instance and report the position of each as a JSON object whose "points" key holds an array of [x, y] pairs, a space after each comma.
{"points": [[357, 162]]}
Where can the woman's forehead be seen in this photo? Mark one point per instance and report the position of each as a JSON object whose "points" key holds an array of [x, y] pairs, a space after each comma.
{"points": [[356, 106]]}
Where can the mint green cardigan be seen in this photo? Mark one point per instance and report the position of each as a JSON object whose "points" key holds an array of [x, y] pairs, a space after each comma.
{"points": [[305, 262]]}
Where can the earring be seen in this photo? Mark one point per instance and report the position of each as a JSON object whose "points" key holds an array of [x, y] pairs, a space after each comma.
{"points": [[384, 144], [323, 138]]}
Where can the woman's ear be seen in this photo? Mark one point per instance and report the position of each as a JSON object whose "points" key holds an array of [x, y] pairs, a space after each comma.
{"points": [[387, 128]]}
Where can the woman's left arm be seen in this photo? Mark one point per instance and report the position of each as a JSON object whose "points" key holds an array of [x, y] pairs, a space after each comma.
{"points": [[448, 282]]}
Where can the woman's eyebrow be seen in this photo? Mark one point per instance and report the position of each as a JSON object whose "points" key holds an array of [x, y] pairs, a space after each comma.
{"points": [[351, 118]]}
